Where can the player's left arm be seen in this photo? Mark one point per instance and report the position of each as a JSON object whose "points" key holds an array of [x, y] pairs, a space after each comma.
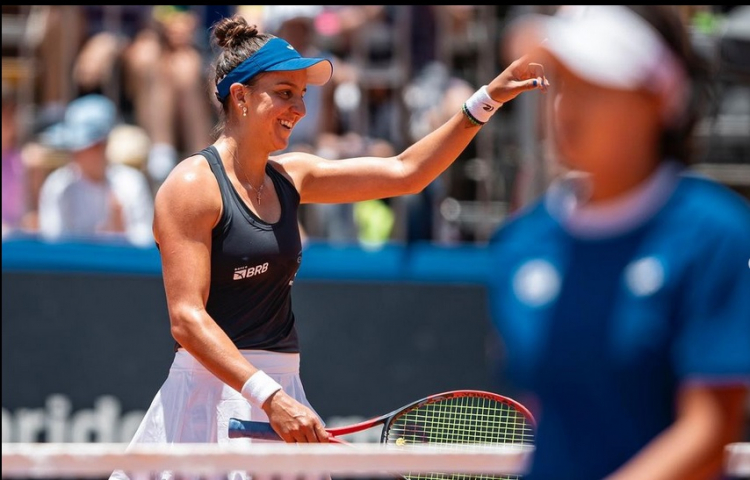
{"points": [[692, 448]]}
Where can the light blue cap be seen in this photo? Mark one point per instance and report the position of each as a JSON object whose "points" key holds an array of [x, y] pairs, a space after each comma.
{"points": [[87, 121]]}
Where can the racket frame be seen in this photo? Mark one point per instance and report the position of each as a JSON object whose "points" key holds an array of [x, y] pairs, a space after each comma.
{"points": [[263, 429]]}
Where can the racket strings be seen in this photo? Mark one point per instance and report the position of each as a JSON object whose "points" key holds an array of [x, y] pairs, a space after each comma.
{"points": [[459, 421], [462, 421]]}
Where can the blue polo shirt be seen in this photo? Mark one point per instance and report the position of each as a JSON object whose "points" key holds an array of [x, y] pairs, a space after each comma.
{"points": [[602, 329]]}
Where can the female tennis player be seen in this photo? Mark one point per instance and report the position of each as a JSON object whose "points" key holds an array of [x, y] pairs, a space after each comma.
{"points": [[226, 225]]}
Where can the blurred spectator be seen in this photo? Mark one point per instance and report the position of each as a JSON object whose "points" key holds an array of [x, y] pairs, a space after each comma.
{"points": [[164, 76], [54, 35], [89, 196], [375, 219], [128, 145], [39, 160], [79, 47], [97, 64], [14, 175]]}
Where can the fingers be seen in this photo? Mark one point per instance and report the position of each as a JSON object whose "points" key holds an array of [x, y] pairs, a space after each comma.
{"points": [[315, 433], [322, 435], [296, 436], [302, 436], [523, 75], [310, 436], [306, 432], [294, 422], [539, 83], [536, 69]]}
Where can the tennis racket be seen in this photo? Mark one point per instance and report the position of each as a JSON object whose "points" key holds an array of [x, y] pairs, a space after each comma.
{"points": [[455, 417]]}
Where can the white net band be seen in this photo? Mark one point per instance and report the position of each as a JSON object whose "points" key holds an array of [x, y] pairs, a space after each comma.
{"points": [[738, 460], [45, 460], [306, 460]]}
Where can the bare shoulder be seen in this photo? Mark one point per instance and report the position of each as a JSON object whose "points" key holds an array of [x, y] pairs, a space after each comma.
{"points": [[189, 196], [191, 183]]}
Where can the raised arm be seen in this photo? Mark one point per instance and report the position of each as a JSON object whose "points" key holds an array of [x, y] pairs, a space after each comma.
{"points": [[348, 180]]}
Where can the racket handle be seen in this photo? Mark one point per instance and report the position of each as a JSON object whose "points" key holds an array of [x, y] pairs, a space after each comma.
{"points": [[249, 429], [261, 431]]}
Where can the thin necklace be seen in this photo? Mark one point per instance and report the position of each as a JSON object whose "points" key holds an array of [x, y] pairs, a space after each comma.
{"points": [[258, 191]]}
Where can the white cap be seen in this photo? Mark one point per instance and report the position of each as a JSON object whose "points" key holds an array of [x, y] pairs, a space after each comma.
{"points": [[607, 45]]}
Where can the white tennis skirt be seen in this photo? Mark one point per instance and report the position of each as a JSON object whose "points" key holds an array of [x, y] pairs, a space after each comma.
{"points": [[194, 406]]}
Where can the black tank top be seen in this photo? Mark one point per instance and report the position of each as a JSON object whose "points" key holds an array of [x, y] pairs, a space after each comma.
{"points": [[253, 265]]}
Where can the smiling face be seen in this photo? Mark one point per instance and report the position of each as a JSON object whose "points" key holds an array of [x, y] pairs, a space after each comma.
{"points": [[275, 104]]}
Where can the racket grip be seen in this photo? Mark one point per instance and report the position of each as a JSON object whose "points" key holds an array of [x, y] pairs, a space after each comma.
{"points": [[249, 429]]}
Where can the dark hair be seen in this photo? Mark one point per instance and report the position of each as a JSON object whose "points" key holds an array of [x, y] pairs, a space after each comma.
{"points": [[677, 140], [238, 41]]}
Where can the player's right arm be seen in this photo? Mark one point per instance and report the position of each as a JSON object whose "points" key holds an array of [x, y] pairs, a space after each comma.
{"points": [[187, 207]]}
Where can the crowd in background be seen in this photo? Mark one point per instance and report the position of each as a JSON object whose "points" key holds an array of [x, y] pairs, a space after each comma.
{"points": [[112, 97]]}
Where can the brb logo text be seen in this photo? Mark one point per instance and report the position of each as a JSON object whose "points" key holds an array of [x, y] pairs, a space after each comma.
{"points": [[247, 272]]}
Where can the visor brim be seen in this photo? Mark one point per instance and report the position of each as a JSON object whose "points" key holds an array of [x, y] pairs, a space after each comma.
{"points": [[319, 70]]}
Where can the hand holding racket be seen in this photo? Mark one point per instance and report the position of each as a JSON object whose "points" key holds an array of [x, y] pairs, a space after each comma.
{"points": [[456, 417]]}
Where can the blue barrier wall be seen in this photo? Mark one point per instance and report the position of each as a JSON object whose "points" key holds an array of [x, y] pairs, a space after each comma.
{"points": [[419, 262], [86, 340]]}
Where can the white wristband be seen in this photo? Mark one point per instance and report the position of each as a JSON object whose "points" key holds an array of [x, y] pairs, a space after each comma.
{"points": [[259, 387], [480, 106]]}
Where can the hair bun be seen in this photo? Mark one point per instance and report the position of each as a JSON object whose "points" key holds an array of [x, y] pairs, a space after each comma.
{"points": [[233, 32]]}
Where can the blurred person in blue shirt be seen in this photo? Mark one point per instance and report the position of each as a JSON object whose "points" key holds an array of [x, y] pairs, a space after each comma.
{"points": [[622, 297], [91, 197]]}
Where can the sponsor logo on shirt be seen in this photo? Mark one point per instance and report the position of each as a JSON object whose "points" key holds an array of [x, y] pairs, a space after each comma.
{"points": [[537, 283], [241, 273], [645, 276]]}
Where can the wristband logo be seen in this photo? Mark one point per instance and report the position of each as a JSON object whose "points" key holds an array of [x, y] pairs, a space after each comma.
{"points": [[488, 108]]}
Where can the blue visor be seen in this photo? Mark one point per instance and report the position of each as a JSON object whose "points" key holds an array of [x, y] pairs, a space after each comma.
{"points": [[276, 56]]}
